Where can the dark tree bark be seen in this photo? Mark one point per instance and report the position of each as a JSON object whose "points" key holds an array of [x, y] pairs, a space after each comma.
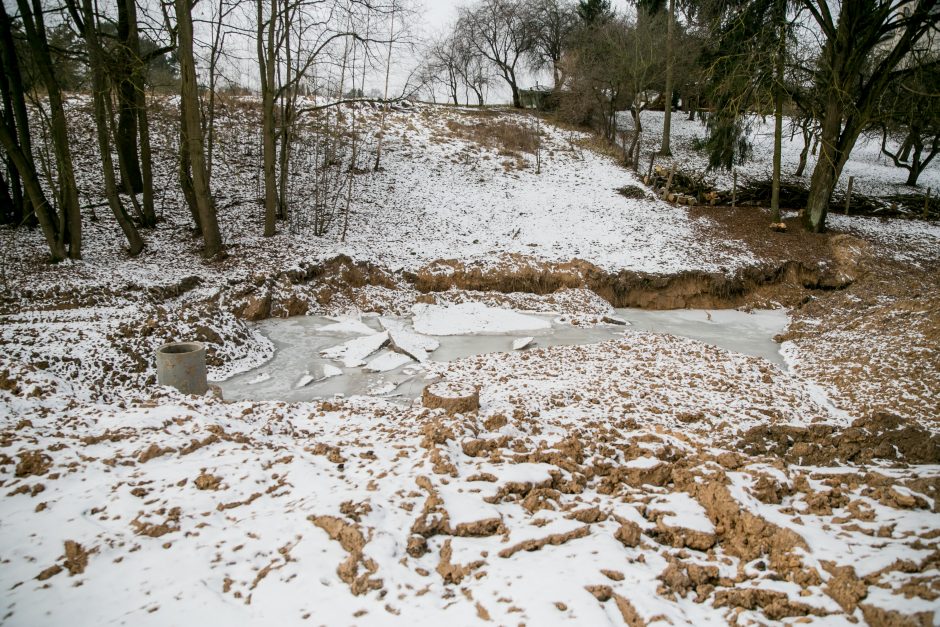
{"points": [[8, 210], [12, 203], [185, 176], [125, 67], [807, 141], [266, 67], [189, 97], [35, 29], [137, 84], [914, 147], [87, 22], [849, 91], [43, 210], [14, 115], [665, 150]]}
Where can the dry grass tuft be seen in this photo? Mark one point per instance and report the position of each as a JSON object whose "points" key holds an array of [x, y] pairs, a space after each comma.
{"points": [[507, 138]]}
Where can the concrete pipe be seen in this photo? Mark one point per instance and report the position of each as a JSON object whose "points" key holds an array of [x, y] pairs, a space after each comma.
{"points": [[182, 365]]}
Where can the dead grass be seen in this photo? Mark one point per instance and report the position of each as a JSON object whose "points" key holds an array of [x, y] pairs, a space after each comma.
{"points": [[507, 138]]}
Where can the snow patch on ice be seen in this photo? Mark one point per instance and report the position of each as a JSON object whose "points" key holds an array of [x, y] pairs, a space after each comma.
{"points": [[473, 318]]}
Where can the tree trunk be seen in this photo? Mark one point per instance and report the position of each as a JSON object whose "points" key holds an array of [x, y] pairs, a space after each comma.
{"points": [[101, 92], [905, 152], [826, 172], [185, 175], [44, 213], [807, 139], [516, 100], [916, 167], [146, 156], [266, 66], [637, 133], [14, 203], [35, 29], [15, 116], [140, 114], [126, 136], [8, 209], [287, 96], [388, 69], [189, 95], [778, 115], [665, 150], [214, 53]]}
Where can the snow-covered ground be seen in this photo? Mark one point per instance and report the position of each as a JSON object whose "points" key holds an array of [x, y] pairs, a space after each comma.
{"points": [[588, 489], [649, 479], [874, 173]]}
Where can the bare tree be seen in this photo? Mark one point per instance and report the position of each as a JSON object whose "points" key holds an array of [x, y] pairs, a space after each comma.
{"points": [[866, 45], [15, 118], [501, 32], [552, 23], [192, 132], [908, 112], [86, 21], [70, 223], [443, 64]]}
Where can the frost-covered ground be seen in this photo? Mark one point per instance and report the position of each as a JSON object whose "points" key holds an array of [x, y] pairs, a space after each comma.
{"points": [[874, 173], [644, 480], [588, 489]]}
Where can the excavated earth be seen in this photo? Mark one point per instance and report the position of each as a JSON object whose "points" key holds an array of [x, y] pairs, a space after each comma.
{"points": [[641, 481]]}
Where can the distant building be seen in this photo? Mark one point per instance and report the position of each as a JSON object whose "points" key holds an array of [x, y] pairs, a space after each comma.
{"points": [[535, 97]]}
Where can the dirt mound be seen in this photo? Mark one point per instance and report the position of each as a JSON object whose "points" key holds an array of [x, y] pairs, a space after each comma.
{"points": [[881, 436]]}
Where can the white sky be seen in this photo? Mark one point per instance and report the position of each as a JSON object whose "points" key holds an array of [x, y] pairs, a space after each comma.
{"points": [[438, 15]]}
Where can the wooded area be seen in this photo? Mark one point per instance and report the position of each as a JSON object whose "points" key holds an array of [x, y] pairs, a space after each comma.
{"points": [[835, 71]]}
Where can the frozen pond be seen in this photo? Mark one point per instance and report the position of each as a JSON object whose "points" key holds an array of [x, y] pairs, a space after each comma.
{"points": [[299, 372]]}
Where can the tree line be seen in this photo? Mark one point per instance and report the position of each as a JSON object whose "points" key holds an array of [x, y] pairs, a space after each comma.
{"points": [[838, 69], [119, 50], [835, 70]]}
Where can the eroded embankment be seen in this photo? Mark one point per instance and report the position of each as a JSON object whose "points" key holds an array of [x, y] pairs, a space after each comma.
{"points": [[341, 283]]}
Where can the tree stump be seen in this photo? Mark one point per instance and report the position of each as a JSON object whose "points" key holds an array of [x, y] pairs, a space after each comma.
{"points": [[454, 398]]}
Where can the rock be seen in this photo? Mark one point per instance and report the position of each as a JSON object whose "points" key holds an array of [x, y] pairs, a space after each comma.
{"points": [[455, 398]]}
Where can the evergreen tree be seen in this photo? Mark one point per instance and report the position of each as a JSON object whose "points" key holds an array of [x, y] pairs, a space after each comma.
{"points": [[594, 12]]}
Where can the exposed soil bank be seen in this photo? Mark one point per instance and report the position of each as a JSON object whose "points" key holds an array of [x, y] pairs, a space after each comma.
{"points": [[306, 289]]}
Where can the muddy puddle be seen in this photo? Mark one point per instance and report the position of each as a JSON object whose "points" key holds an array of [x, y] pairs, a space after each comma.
{"points": [[299, 372]]}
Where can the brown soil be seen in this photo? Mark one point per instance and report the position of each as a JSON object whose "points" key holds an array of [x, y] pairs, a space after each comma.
{"points": [[357, 570], [879, 437]]}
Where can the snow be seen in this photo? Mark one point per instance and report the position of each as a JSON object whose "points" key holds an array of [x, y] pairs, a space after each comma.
{"points": [[331, 371], [682, 511], [412, 344], [354, 352], [306, 379], [874, 173], [472, 318], [125, 458], [642, 462], [348, 326], [260, 378], [387, 361], [522, 342]]}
